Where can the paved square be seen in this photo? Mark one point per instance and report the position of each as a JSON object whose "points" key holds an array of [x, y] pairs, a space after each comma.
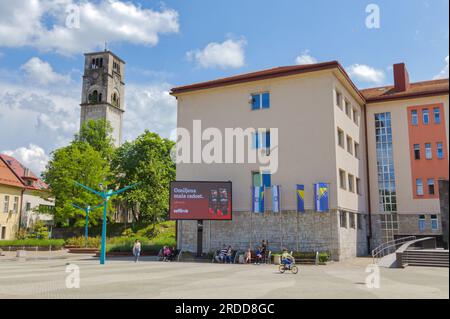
{"points": [[39, 277]]}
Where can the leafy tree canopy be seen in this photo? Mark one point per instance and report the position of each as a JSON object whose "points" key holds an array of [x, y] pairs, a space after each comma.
{"points": [[146, 160]]}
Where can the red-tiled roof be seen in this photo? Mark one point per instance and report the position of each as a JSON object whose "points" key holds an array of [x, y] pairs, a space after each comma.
{"points": [[387, 93], [415, 90], [264, 74], [24, 174], [7, 176]]}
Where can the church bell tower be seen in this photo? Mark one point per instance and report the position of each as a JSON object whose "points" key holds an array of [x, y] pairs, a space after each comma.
{"points": [[102, 95]]}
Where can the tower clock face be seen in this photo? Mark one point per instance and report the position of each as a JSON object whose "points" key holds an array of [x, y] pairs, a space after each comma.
{"points": [[116, 80], [95, 75]]}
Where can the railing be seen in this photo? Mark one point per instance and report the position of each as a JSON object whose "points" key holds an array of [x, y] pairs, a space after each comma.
{"points": [[385, 248]]}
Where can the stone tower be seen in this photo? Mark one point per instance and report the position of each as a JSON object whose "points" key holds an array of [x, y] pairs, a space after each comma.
{"points": [[102, 95]]}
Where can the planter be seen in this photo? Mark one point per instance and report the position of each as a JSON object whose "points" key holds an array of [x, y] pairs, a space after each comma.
{"points": [[79, 250], [122, 254], [276, 259]]}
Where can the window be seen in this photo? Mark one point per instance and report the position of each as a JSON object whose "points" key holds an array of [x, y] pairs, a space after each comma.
{"points": [[261, 140], [358, 186], [425, 117], [387, 195], [343, 219], [434, 222], [97, 63], [417, 151], [339, 99], [342, 179], [16, 204], [356, 150], [421, 222], [6, 204], [430, 183], [3, 235], [352, 220], [263, 179], [414, 117], [351, 183], [359, 221], [419, 187], [428, 153], [28, 206], [260, 101], [93, 97], [349, 145], [355, 116], [439, 150], [340, 137], [348, 109], [116, 67], [437, 115]]}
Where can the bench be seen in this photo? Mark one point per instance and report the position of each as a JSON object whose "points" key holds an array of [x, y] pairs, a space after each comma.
{"points": [[175, 255], [234, 255], [265, 259]]}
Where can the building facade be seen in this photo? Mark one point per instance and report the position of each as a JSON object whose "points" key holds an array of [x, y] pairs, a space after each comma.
{"points": [[325, 130], [37, 205], [103, 91], [407, 135], [11, 190]]}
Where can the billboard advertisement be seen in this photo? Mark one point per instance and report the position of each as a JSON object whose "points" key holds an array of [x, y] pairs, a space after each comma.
{"points": [[200, 200]]}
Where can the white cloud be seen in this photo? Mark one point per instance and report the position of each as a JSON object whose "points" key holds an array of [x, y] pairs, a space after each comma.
{"points": [[42, 24], [365, 73], [32, 157], [305, 58], [228, 54], [42, 72], [149, 107], [444, 72]]}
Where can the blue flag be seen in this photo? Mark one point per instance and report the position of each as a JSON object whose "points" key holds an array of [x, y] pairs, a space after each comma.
{"points": [[258, 199], [276, 199], [300, 198], [321, 197]]}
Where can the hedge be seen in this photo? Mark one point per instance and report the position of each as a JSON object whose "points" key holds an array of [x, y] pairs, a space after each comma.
{"points": [[54, 243]]}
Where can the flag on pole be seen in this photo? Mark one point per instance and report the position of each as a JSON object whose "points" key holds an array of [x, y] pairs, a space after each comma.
{"points": [[276, 199], [300, 198], [258, 199], [321, 197]]}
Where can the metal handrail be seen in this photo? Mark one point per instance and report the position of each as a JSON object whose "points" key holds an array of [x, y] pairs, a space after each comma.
{"points": [[379, 251]]}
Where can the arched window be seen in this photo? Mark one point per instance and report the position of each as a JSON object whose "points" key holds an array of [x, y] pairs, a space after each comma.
{"points": [[115, 99], [93, 97], [100, 97]]}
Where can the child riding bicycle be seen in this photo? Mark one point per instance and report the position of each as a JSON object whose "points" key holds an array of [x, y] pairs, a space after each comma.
{"points": [[287, 259]]}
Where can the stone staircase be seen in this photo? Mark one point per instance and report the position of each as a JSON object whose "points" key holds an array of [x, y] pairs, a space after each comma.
{"points": [[425, 257]]}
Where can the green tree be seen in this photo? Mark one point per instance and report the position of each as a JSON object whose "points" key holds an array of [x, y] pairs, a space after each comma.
{"points": [[79, 162], [146, 160], [97, 133]]}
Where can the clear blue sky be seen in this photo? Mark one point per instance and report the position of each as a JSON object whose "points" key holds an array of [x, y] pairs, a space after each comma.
{"points": [[154, 38]]}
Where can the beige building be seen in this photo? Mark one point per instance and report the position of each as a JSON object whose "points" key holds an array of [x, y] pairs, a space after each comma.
{"points": [[319, 118], [11, 190]]}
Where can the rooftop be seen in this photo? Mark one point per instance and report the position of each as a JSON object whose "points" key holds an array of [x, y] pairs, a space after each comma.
{"points": [[386, 93], [25, 176], [7, 176], [417, 89]]}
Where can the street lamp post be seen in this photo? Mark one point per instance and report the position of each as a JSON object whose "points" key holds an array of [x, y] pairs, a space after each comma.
{"points": [[87, 210], [105, 195]]}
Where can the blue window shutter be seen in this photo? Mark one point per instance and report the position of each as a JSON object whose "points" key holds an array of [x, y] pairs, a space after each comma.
{"points": [[265, 100], [255, 140], [256, 101], [267, 140], [267, 180]]}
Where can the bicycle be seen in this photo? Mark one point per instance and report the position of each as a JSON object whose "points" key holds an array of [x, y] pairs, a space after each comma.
{"points": [[283, 267]]}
